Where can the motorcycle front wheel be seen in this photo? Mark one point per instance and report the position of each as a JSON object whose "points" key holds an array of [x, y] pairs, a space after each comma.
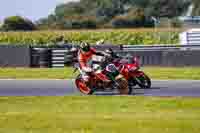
{"points": [[143, 81], [82, 87]]}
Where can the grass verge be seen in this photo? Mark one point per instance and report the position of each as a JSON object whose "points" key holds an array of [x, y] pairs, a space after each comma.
{"points": [[67, 73], [37, 73], [97, 114], [192, 73]]}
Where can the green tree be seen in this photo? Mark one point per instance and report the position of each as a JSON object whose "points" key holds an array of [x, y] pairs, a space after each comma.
{"points": [[134, 18], [167, 8], [116, 11], [196, 9], [14, 23]]}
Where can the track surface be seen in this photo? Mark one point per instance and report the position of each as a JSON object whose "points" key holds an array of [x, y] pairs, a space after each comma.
{"points": [[67, 87]]}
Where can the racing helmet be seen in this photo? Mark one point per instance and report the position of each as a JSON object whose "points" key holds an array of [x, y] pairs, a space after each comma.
{"points": [[85, 47]]}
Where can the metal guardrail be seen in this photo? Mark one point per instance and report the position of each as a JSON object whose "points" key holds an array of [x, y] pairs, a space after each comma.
{"points": [[166, 55], [158, 55], [160, 47]]}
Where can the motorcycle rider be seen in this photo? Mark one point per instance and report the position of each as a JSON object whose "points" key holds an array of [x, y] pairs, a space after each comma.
{"points": [[85, 55], [116, 58], [113, 57], [111, 53]]}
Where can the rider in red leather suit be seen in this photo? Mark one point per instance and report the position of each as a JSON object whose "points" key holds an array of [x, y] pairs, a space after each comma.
{"points": [[85, 55]]}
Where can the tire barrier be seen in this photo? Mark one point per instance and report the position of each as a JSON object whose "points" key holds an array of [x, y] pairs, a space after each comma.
{"points": [[41, 57], [63, 57], [19, 56], [58, 57]]}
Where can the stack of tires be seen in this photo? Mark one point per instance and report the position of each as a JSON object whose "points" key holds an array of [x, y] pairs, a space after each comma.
{"points": [[71, 57], [41, 57], [53, 57]]}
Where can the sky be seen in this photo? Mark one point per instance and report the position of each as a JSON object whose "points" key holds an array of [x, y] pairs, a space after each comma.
{"points": [[31, 9]]}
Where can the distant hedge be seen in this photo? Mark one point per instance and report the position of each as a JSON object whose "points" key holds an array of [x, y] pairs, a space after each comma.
{"points": [[17, 23], [125, 37]]}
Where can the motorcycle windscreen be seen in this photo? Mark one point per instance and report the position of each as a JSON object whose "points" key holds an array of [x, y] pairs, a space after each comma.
{"points": [[111, 71]]}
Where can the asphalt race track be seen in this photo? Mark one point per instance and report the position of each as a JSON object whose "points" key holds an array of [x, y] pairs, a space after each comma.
{"points": [[67, 87]]}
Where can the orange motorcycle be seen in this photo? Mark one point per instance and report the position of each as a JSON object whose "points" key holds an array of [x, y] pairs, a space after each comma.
{"points": [[107, 79]]}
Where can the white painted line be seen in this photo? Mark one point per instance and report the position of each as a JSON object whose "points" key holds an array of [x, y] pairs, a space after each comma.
{"points": [[56, 61], [56, 54], [60, 51], [58, 65], [59, 58]]}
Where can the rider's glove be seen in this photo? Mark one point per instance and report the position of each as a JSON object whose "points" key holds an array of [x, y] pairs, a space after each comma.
{"points": [[87, 69], [107, 55]]}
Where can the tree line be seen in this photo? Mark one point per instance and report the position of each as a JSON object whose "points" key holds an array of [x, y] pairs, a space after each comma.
{"points": [[106, 14]]}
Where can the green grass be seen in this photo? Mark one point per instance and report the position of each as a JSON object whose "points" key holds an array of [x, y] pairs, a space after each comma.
{"points": [[99, 114], [67, 73], [192, 73], [39, 73]]}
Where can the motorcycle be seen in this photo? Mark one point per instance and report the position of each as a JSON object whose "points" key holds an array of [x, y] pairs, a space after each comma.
{"points": [[106, 79], [131, 71]]}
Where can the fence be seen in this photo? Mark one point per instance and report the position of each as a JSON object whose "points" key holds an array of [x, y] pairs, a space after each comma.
{"points": [[15, 56], [171, 58], [165, 55]]}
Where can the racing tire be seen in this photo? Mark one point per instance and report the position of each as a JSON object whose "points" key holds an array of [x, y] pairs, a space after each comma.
{"points": [[144, 81], [123, 86]]}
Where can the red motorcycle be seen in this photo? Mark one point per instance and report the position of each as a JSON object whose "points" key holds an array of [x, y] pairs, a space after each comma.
{"points": [[102, 80], [130, 70]]}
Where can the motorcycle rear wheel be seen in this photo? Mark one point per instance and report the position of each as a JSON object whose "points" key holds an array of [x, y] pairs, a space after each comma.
{"points": [[123, 86]]}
